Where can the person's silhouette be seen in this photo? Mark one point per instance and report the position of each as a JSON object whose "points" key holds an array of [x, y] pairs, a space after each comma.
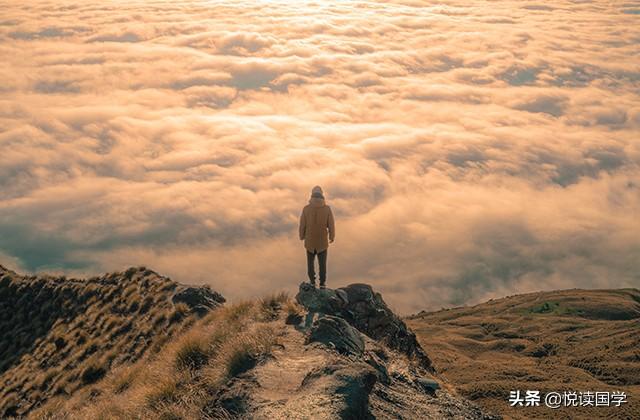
{"points": [[317, 229]]}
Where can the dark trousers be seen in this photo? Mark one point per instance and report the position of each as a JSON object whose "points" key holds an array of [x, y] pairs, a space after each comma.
{"points": [[322, 262]]}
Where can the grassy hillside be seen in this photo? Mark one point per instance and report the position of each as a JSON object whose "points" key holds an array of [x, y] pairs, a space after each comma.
{"points": [[183, 379], [571, 340], [60, 335], [322, 356], [137, 345], [266, 359]]}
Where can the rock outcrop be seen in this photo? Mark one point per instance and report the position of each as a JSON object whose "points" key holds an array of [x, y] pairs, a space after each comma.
{"points": [[365, 310], [200, 299], [356, 360]]}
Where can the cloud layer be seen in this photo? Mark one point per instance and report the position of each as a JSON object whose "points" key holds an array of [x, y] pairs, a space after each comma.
{"points": [[468, 151]]}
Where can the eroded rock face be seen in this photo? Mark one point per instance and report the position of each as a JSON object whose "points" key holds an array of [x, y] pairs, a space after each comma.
{"points": [[338, 334], [200, 299], [365, 310], [370, 314]]}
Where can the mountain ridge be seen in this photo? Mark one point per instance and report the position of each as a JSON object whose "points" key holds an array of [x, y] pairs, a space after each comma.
{"points": [[136, 344]]}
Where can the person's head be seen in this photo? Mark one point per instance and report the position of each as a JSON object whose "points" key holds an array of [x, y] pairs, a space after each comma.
{"points": [[316, 192]]}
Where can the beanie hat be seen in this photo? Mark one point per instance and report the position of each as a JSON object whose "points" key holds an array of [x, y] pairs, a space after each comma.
{"points": [[317, 192]]}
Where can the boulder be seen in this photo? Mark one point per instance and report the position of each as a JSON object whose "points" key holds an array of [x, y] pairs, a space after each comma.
{"points": [[326, 301], [200, 299], [338, 334], [428, 385]]}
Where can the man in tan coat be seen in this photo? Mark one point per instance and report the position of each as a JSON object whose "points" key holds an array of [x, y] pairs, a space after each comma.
{"points": [[317, 229]]}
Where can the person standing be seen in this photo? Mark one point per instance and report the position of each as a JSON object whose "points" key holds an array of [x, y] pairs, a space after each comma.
{"points": [[317, 229]]}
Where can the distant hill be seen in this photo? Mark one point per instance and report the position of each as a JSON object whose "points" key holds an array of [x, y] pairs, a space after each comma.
{"points": [[59, 335], [569, 340]]}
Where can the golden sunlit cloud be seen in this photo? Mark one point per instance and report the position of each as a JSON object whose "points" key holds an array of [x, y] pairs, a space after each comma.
{"points": [[468, 151]]}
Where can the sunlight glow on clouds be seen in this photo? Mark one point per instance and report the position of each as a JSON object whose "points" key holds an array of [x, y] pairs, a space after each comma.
{"points": [[469, 151]]}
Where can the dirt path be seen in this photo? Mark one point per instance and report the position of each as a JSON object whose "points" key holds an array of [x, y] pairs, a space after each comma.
{"points": [[335, 383], [280, 393]]}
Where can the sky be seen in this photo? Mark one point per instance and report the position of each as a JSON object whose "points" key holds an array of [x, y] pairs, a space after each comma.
{"points": [[469, 149]]}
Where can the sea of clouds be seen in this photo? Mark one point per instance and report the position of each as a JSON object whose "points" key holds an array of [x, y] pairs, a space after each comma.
{"points": [[469, 149]]}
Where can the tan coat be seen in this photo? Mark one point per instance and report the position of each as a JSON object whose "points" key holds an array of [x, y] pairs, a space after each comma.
{"points": [[316, 222]]}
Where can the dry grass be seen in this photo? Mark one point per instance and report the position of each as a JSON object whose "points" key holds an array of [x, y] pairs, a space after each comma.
{"points": [[235, 312], [94, 371], [270, 305], [122, 379], [180, 311], [293, 308], [240, 352], [60, 335], [573, 340], [179, 381], [164, 391], [193, 351]]}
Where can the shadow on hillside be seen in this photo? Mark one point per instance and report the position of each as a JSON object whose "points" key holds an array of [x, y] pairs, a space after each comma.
{"points": [[28, 311]]}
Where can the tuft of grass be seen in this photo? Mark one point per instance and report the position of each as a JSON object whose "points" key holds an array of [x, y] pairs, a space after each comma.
{"points": [[106, 412], [270, 306], [45, 378], [237, 311], [159, 344], [130, 290], [292, 307], [294, 312], [240, 360], [180, 311], [171, 413], [124, 378], [193, 352], [134, 305], [93, 372], [162, 392], [159, 319], [241, 352]]}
